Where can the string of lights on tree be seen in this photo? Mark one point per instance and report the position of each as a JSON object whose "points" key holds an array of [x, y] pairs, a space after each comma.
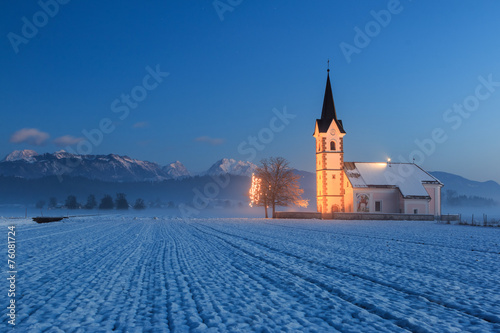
{"points": [[255, 190]]}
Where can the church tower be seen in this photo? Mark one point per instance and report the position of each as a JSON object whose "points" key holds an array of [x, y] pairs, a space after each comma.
{"points": [[329, 134]]}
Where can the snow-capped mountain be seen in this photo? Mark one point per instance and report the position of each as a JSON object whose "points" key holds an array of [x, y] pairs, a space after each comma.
{"points": [[232, 167], [16, 155], [28, 164], [176, 170]]}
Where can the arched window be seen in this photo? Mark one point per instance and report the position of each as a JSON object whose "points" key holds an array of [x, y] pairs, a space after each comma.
{"points": [[332, 145]]}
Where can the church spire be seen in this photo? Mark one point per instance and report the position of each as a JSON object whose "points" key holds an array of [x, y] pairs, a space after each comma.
{"points": [[328, 112]]}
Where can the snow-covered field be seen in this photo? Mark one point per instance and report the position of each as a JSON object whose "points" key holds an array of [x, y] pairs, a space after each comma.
{"points": [[126, 274]]}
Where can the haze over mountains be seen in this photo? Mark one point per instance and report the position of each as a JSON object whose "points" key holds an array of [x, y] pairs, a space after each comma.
{"points": [[29, 164], [28, 176]]}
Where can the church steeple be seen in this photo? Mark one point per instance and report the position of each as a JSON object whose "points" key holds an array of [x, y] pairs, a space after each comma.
{"points": [[329, 134], [328, 113]]}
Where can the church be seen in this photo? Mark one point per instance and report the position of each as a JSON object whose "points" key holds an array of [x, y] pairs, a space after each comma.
{"points": [[366, 187]]}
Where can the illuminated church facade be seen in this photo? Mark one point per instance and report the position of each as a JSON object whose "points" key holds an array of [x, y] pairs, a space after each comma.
{"points": [[365, 187]]}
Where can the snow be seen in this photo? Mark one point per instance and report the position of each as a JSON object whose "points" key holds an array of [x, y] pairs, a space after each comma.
{"points": [[232, 167], [64, 154], [135, 274], [176, 170], [17, 155], [111, 167], [407, 176]]}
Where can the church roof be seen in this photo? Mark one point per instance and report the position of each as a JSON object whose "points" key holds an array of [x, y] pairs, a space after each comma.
{"points": [[407, 177], [328, 113]]}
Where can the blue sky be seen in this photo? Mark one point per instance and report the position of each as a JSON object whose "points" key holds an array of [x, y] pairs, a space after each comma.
{"points": [[225, 77]]}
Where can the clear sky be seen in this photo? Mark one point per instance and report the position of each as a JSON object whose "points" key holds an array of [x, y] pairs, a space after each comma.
{"points": [[397, 70]]}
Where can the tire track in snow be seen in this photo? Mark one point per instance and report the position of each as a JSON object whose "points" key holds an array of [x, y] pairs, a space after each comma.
{"points": [[368, 306], [401, 323], [376, 265], [254, 284], [253, 280], [473, 291], [159, 275], [312, 291], [384, 238], [68, 250], [198, 293], [21, 239], [151, 306], [191, 318], [59, 300]]}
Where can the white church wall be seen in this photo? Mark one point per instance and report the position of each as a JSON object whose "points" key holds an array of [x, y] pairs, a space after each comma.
{"points": [[434, 191], [365, 200], [348, 196], [388, 199], [420, 205]]}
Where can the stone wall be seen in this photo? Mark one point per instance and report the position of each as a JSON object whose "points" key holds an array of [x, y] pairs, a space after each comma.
{"points": [[380, 216], [297, 215]]}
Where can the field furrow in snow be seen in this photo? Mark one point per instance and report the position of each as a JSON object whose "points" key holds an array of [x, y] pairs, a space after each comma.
{"points": [[437, 284], [125, 274], [374, 296]]}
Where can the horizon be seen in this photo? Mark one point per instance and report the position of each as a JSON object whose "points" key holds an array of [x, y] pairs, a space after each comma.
{"points": [[199, 83], [201, 171]]}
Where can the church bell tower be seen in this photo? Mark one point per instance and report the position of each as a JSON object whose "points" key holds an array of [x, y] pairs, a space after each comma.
{"points": [[329, 134]]}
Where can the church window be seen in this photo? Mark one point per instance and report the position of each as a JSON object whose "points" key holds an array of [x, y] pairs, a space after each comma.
{"points": [[332, 145], [378, 206]]}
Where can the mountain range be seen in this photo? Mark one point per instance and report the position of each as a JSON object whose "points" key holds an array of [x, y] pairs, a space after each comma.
{"points": [[30, 165], [31, 173], [464, 186]]}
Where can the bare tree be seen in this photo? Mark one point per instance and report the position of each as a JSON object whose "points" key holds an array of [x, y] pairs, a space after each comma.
{"points": [[279, 185]]}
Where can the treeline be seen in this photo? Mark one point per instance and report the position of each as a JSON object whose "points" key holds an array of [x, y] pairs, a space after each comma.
{"points": [[120, 202], [15, 190], [452, 198]]}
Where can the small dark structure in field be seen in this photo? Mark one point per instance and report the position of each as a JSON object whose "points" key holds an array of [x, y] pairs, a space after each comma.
{"points": [[40, 219]]}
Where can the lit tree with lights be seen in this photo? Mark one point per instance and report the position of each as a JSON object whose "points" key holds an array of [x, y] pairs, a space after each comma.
{"points": [[258, 194], [254, 192], [275, 184]]}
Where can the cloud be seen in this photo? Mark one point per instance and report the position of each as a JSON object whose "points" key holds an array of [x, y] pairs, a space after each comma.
{"points": [[30, 136], [209, 140], [140, 124], [66, 140]]}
